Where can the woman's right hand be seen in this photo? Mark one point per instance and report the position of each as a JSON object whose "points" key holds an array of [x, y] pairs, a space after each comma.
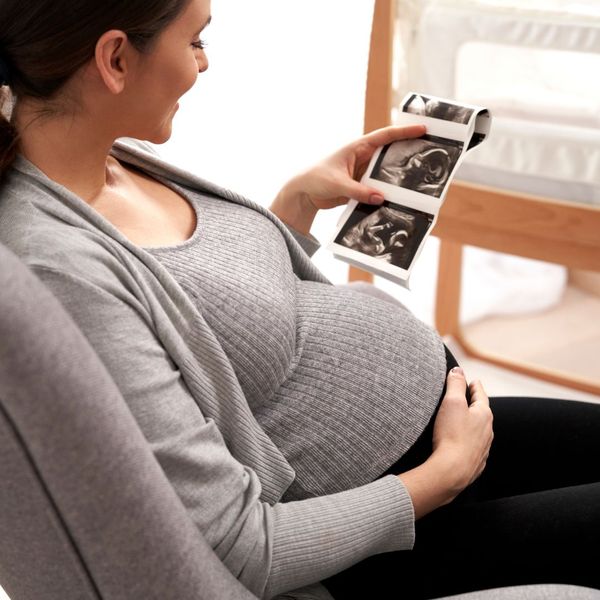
{"points": [[462, 437]]}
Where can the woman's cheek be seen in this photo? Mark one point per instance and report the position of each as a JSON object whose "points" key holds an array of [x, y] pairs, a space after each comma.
{"points": [[192, 73]]}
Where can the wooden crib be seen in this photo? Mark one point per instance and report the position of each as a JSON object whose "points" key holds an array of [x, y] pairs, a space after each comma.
{"points": [[515, 221]]}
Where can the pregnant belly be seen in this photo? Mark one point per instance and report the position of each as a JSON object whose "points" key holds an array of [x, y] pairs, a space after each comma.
{"points": [[366, 381]]}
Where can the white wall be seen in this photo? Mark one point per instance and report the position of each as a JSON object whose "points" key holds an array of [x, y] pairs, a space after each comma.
{"points": [[285, 87]]}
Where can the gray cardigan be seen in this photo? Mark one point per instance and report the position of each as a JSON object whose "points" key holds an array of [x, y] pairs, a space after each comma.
{"points": [[228, 473]]}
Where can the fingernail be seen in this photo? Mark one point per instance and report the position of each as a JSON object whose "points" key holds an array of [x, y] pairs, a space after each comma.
{"points": [[376, 198], [457, 371]]}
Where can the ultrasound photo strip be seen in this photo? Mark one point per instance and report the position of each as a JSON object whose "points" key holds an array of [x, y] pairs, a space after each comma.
{"points": [[413, 175]]}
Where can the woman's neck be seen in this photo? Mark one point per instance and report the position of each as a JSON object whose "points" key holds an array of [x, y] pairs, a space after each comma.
{"points": [[70, 150]]}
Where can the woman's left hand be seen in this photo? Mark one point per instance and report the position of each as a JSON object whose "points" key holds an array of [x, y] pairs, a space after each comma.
{"points": [[334, 180]]}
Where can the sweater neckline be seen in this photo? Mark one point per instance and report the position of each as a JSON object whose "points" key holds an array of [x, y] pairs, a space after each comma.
{"points": [[23, 164], [196, 234]]}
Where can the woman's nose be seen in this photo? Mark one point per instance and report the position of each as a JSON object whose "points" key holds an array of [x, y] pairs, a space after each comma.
{"points": [[202, 62]]}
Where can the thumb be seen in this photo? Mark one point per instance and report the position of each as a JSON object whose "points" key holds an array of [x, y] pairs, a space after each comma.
{"points": [[363, 193], [456, 385]]}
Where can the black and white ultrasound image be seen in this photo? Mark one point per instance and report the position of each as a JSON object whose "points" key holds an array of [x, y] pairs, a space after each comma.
{"points": [[389, 232], [423, 165], [418, 104]]}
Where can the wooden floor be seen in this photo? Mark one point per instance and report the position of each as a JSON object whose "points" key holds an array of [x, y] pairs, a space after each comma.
{"points": [[565, 337]]}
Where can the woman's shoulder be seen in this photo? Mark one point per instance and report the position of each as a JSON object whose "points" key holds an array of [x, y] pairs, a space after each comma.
{"points": [[47, 239]]}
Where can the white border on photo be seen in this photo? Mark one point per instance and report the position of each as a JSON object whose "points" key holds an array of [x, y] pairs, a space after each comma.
{"points": [[437, 127]]}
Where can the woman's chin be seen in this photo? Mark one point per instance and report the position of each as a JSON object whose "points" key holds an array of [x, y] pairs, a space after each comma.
{"points": [[161, 132], [162, 135]]}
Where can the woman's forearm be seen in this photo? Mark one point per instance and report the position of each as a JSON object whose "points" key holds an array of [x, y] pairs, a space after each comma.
{"points": [[316, 538], [432, 484]]}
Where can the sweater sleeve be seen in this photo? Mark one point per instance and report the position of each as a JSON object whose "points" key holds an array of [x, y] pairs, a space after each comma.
{"points": [[316, 538], [270, 549], [309, 243]]}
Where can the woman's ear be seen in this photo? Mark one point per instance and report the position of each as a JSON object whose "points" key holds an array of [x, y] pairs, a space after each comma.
{"points": [[111, 59]]}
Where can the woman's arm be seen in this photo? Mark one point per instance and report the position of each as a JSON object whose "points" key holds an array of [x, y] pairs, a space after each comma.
{"points": [[334, 180], [270, 549]]}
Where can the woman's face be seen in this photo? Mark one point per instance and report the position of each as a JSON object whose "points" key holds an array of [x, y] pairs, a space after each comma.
{"points": [[162, 76]]}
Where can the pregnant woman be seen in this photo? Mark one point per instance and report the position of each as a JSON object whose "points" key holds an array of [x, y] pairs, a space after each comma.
{"points": [[314, 433]]}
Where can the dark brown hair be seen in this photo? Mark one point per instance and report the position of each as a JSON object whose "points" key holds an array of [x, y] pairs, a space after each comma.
{"points": [[44, 43]]}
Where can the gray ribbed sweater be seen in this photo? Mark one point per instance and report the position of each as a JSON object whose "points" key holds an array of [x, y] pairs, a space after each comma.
{"points": [[342, 383], [184, 392]]}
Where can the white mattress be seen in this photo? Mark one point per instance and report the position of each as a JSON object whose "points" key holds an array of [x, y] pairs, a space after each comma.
{"points": [[557, 161], [537, 72]]}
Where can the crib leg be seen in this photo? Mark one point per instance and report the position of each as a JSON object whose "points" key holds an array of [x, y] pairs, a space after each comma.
{"points": [[356, 274], [447, 303]]}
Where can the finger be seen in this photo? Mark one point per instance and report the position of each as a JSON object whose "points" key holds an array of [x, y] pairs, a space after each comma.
{"points": [[386, 135], [456, 384], [478, 393]]}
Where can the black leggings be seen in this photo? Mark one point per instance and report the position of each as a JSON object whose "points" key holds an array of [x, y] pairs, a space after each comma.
{"points": [[532, 517]]}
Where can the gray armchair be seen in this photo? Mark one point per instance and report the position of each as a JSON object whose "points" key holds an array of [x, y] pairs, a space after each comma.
{"points": [[85, 510]]}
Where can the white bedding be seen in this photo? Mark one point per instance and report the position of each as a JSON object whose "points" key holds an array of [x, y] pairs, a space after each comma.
{"points": [[535, 69], [556, 161]]}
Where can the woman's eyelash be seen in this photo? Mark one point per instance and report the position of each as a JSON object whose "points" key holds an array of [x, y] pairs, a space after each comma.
{"points": [[200, 44]]}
